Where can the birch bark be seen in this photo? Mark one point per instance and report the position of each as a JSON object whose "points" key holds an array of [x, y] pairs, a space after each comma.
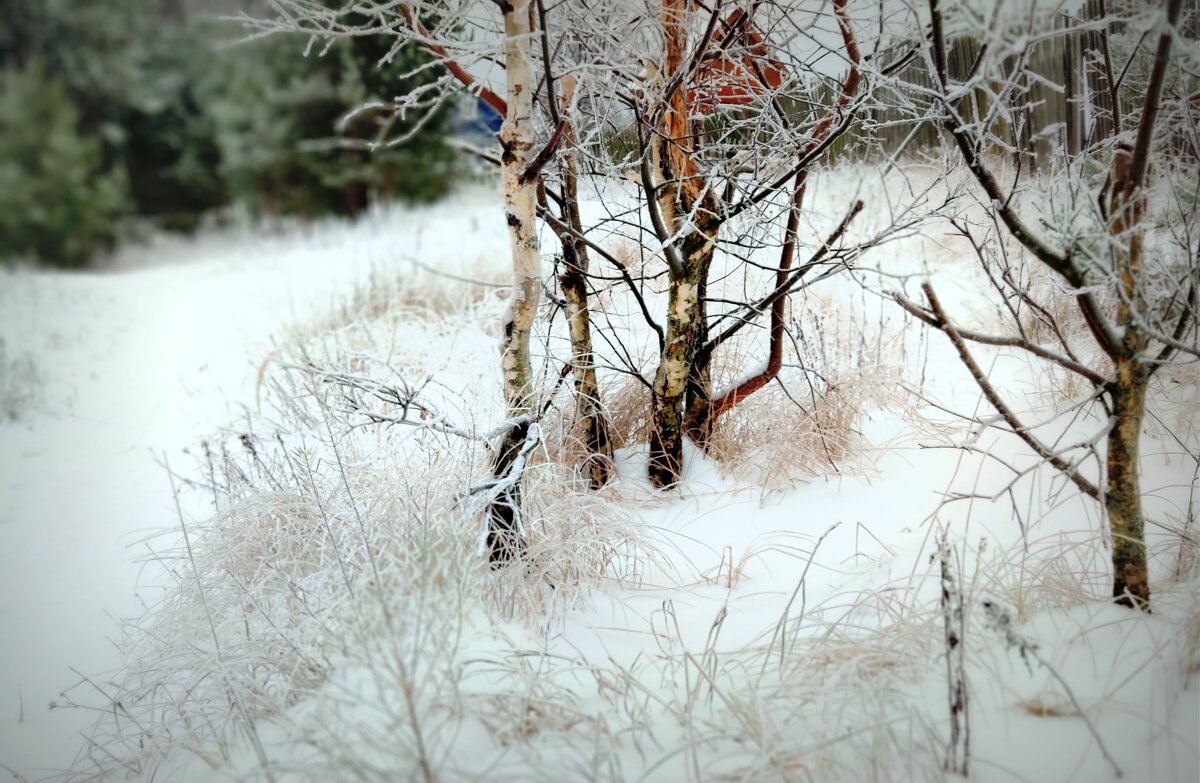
{"points": [[520, 211]]}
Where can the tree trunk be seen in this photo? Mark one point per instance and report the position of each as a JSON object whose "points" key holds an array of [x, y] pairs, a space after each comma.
{"points": [[573, 281], [1123, 495], [670, 381], [698, 421], [520, 206], [679, 381], [682, 195], [1123, 499]]}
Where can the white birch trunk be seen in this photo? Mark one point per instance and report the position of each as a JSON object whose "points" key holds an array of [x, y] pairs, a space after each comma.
{"points": [[520, 207], [520, 211]]}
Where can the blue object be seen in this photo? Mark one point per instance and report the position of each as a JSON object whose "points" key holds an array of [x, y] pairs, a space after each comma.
{"points": [[489, 116], [475, 122]]}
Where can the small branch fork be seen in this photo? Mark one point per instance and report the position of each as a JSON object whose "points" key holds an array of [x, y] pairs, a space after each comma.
{"points": [[776, 301], [407, 399], [936, 316]]}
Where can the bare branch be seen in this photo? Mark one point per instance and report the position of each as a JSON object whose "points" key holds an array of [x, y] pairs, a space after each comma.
{"points": [[944, 324]]}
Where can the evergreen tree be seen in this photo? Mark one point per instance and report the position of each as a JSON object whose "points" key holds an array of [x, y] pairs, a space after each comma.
{"points": [[57, 201], [169, 124], [284, 144]]}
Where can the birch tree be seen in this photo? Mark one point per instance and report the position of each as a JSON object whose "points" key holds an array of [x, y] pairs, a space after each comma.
{"points": [[568, 225], [517, 138], [471, 31]]}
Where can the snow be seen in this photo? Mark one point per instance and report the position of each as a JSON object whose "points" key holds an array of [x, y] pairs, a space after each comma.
{"points": [[776, 619], [136, 366]]}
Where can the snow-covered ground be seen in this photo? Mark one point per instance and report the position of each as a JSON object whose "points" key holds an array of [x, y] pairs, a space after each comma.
{"points": [[774, 619], [112, 373]]}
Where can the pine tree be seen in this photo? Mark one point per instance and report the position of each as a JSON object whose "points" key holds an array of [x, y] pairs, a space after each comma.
{"points": [[57, 200]]}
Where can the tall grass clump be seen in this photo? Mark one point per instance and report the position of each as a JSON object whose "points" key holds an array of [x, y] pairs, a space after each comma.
{"points": [[325, 573]]}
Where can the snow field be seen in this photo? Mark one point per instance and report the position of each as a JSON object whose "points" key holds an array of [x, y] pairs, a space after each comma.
{"points": [[776, 619]]}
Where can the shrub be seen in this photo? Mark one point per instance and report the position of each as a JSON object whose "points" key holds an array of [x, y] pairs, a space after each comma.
{"points": [[57, 202], [285, 147]]}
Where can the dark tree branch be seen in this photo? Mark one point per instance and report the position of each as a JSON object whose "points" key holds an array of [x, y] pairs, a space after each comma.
{"points": [[928, 317], [538, 163], [943, 323], [1158, 76], [824, 134], [781, 291], [1185, 318], [778, 307]]}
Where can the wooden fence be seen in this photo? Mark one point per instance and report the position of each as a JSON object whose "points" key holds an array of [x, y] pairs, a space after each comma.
{"points": [[1061, 101]]}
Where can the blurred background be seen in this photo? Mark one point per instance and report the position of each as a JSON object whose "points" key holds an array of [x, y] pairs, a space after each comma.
{"points": [[121, 118]]}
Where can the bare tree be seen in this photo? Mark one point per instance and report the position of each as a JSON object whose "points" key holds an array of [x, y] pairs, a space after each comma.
{"points": [[699, 178], [572, 279], [682, 204], [472, 30], [1137, 307], [730, 111]]}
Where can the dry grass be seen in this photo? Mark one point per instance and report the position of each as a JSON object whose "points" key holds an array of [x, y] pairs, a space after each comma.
{"points": [[421, 292], [628, 404], [839, 368], [269, 530], [22, 387], [322, 559], [771, 440]]}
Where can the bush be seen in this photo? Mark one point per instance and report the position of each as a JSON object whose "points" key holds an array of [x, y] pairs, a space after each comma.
{"points": [[124, 107], [56, 200], [283, 145]]}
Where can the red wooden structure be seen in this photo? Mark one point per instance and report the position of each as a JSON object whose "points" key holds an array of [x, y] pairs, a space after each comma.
{"points": [[726, 79]]}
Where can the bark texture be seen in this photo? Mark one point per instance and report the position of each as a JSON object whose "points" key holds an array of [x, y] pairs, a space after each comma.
{"points": [[1127, 209], [698, 418], [1123, 493], [520, 208], [573, 282], [676, 373], [1123, 496], [689, 211]]}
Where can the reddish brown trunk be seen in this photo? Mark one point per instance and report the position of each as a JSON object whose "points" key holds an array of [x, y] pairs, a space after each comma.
{"points": [[679, 190], [778, 313]]}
